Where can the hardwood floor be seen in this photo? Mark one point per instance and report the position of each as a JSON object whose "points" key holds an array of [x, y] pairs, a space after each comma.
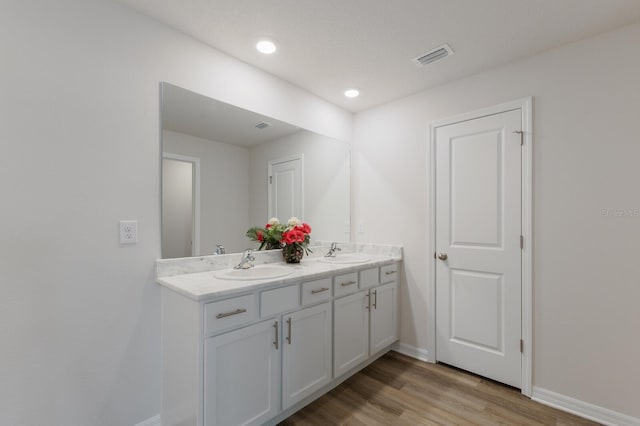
{"points": [[398, 390]]}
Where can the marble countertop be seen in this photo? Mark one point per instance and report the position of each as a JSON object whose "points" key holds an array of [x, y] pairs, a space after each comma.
{"points": [[205, 285]]}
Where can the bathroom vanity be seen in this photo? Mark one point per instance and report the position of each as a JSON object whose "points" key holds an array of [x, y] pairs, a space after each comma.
{"points": [[253, 348]]}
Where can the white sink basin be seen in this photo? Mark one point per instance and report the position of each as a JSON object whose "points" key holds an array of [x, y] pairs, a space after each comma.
{"points": [[346, 259], [265, 272]]}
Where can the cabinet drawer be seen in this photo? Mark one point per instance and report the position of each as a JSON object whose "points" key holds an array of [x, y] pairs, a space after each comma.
{"points": [[316, 291], [368, 278], [229, 313], [279, 300], [388, 273], [345, 284]]}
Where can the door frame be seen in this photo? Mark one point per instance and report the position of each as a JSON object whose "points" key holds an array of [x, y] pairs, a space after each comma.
{"points": [[525, 105], [270, 164], [195, 246]]}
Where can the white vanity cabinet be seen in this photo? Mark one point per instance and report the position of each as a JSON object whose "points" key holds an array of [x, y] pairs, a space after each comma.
{"points": [[384, 310], [383, 317], [306, 352], [242, 375], [350, 331], [366, 322], [254, 357]]}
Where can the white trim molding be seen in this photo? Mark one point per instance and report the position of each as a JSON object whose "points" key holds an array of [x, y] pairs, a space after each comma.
{"points": [[525, 105], [582, 409], [411, 351], [153, 421]]}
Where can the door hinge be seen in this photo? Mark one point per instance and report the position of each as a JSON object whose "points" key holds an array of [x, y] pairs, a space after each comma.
{"points": [[521, 346], [521, 242], [270, 179], [521, 133]]}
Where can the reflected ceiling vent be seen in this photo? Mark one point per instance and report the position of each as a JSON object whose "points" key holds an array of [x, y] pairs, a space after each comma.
{"points": [[263, 125], [433, 55]]}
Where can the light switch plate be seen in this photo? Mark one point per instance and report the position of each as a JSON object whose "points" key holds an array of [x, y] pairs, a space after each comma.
{"points": [[128, 231]]}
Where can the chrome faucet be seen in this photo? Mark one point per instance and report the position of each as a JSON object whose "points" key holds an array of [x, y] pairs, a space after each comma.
{"points": [[220, 249], [247, 260], [332, 250]]}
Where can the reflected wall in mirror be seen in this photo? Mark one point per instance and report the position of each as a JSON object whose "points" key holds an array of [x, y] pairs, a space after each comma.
{"points": [[225, 169]]}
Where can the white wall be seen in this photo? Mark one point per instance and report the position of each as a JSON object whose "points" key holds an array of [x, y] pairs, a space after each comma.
{"points": [[326, 182], [79, 113], [586, 153], [224, 189]]}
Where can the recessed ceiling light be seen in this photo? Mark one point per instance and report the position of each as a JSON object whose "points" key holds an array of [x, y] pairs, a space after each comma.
{"points": [[266, 46], [352, 93]]}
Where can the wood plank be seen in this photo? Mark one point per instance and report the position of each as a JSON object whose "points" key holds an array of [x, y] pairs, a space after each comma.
{"points": [[398, 390]]}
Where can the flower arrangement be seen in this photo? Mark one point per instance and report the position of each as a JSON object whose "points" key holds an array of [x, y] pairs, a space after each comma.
{"points": [[293, 238]]}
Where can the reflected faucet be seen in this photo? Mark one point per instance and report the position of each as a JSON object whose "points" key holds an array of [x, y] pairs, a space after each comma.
{"points": [[220, 249], [332, 250], [247, 260]]}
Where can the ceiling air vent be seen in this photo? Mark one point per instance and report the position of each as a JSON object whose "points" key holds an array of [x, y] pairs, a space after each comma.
{"points": [[263, 125], [433, 55]]}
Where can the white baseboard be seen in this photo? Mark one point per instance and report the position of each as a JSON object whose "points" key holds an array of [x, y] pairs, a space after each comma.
{"points": [[582, 409], [153, 421], [412, 351]]}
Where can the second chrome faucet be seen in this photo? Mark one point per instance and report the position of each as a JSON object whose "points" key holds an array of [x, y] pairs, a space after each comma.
{"points": [[247, 260], [332, 250]]}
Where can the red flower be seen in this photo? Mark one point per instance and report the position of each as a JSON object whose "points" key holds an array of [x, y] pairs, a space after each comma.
{"points": [[305, 228], [267, 226], [260, 236], [293, 236], [288, 237]]}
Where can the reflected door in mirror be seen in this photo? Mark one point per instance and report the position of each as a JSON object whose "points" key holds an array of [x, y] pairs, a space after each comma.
{"points": [[177, 208], [285, 191]]}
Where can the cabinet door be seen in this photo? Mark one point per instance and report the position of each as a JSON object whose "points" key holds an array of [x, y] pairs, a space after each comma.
{"points": [[242, 376], [350, 331], [384, 313], [306, 352]]}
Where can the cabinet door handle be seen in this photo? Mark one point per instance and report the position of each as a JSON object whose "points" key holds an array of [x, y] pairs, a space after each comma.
{"points": [[344, 284], [375, 299], [390, 272], [368, 305], [275, 327], [319, 290], [289, 330], [228, 314]]}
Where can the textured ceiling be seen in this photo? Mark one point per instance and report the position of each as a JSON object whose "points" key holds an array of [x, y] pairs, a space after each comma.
{"points": [[327, 46]]}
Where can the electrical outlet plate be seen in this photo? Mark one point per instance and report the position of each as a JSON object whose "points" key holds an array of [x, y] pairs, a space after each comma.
{"points": [[128, 231]]}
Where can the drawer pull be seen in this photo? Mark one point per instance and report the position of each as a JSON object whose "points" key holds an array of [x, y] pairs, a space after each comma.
{"points": [[390, 272], [289, 330], [347, 283], [319, 290], [228, 314], [375, 299]]}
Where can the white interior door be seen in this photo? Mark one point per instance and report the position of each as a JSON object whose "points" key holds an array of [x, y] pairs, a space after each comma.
{"points": [[177, 208], [478, 229], [285, 193]]}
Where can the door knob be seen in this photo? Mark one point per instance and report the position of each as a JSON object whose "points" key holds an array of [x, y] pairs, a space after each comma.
{"points": [[442, 256]]}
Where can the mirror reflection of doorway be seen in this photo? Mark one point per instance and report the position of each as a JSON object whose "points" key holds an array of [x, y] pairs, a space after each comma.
{"points": [[285, 188], [180, 206]]}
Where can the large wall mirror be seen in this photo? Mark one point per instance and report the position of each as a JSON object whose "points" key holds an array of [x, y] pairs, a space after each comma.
{"points": [[225, 169]]}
